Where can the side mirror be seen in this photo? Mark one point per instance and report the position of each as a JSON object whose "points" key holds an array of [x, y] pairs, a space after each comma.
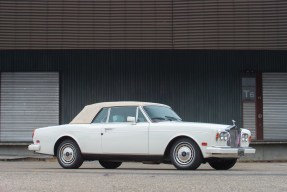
{"points": [[131, 119]]}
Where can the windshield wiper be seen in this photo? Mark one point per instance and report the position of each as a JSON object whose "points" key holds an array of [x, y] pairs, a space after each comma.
{"points": [[172, 118]]}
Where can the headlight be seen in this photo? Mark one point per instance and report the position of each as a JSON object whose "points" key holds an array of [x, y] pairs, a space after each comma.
{"points": [[222, 136], [244, 137]]}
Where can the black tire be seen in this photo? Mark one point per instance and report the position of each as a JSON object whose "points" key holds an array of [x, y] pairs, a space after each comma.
{"points": [[222, 164], [110, 164], [69, 154], [185, 154]]}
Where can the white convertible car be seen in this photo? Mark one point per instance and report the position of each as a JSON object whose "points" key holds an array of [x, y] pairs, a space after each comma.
{"points": [[114, 132]]}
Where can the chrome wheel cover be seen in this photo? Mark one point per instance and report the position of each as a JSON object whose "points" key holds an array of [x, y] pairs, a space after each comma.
{"points": [[67, 153], [184, 153]]}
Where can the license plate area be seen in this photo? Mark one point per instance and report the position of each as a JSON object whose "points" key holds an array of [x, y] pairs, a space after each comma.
{"points": [[240, 152]]}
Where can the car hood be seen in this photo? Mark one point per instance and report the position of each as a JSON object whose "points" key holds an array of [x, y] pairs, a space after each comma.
{"points": [[213, 126]]}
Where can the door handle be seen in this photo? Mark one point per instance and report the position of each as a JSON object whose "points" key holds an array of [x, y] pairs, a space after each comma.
{"points": [[108, 129]]}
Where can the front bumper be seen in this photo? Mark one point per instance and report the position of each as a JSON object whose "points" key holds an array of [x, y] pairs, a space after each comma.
{"points": [[229, 152], [34, 147]]}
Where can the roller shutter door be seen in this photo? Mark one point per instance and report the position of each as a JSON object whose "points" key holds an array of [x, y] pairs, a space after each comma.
{"points": [[28, 101], [249, 117], [275, 105]]}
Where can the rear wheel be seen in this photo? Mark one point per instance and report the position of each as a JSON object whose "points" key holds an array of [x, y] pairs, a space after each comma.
{"points": [[222, 164], [110, 164], [69, 154], [185, 154]]}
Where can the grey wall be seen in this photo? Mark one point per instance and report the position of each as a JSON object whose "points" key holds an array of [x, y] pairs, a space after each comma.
{"points": [[199, 85]]}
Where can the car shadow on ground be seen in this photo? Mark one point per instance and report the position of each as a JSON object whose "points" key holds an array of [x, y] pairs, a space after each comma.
{"points": [[136, 169]]}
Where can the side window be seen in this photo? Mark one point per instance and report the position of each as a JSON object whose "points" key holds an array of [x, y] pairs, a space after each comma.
{"points": [[120, 114], [141, 117], [101, 116]]}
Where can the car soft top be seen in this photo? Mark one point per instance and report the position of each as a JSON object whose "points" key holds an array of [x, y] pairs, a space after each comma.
{"points": [[90, 111]]}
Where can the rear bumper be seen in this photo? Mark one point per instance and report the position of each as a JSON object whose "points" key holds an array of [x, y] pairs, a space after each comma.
{"points": [[34, 147], [229, 152]]}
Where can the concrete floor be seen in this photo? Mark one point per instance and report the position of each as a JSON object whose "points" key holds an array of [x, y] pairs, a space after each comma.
{"points": [[49, 176]]}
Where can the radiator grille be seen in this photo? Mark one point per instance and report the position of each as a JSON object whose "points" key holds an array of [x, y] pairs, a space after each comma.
{"points": [[234, 139]]}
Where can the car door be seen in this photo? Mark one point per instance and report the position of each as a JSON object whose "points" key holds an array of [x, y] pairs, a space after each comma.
{"points": [[122, 137], [90, 135]]}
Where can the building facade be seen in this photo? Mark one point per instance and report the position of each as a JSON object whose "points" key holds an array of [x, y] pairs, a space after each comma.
{"points": [[212, 61]]}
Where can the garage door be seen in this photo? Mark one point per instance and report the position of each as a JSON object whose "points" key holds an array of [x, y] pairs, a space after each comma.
{"points": [[275, 105], [249, 117], [248, 104], [28, 101]]}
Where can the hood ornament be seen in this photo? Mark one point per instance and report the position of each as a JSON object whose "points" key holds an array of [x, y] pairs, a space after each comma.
{"points": [[233, 126], [233, 121]]}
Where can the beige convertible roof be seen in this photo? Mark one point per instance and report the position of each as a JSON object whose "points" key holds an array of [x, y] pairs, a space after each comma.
{"points": [[90, 111]]}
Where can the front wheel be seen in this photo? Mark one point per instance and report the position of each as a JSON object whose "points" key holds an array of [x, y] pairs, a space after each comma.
{"points": [[185, 154], [69, 154], [222, 164], [110, 164]]}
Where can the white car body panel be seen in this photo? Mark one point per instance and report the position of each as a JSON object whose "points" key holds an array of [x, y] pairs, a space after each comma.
{"points": [[162, 133], [88, 137], [145, 138], [125, 138]]}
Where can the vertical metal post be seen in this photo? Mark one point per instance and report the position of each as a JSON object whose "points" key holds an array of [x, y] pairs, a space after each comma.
{"points": [[259, 107]]}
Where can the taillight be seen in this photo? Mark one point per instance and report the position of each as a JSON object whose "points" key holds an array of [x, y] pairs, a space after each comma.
{"points": [[249, 139], [204, 144], [33, 133]]}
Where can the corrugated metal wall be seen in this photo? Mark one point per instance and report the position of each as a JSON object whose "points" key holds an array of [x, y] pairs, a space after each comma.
{"points": [[199, 85], [143, 24], [226, 24], [85, 24]]}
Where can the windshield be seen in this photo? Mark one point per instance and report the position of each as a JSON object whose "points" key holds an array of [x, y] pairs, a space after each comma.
{"points": [[161, 113]]}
